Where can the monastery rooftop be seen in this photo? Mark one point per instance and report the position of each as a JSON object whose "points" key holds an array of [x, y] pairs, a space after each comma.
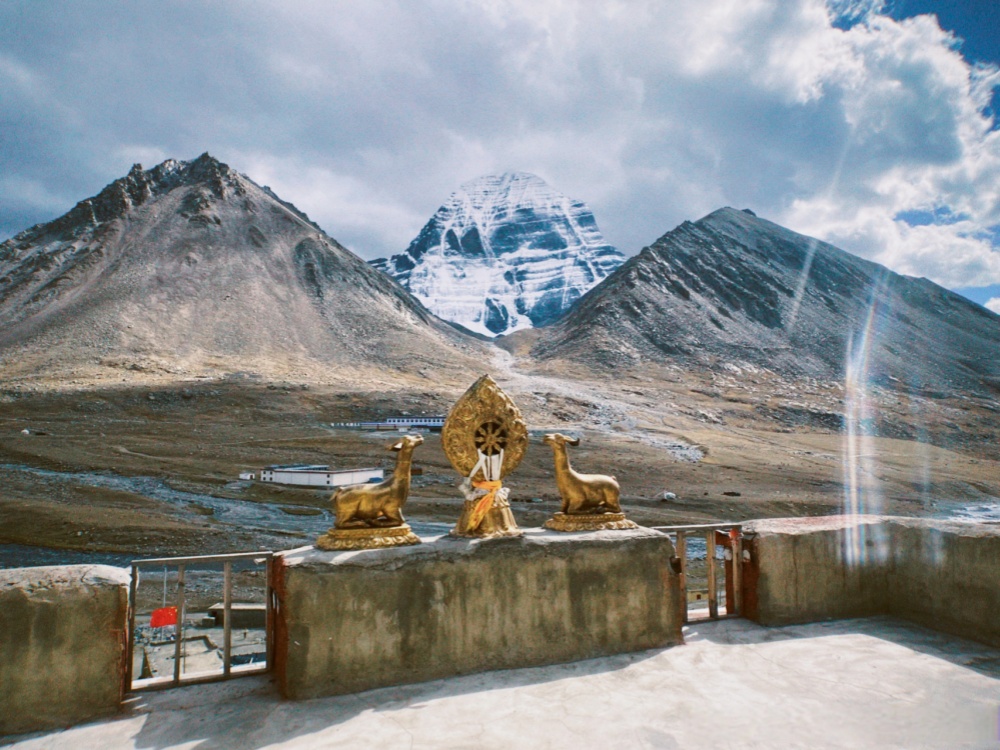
{"points": [[864, 683]]}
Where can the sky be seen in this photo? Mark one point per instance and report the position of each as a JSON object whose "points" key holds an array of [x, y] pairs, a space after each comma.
{"points": [[870, 124]]}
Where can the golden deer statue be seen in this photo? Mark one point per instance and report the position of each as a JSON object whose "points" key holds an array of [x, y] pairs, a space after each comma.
{"points": [[581, 493], [378, 505]]}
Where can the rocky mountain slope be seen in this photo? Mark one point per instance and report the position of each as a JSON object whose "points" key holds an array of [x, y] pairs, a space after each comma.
{"points": [[505, 253], [734, 288], [191, 267]]}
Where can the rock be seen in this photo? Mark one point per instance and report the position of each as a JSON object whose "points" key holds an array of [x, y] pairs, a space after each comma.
{"points": [[666, 497], [726, 288], [131, 245], [505, 253]]}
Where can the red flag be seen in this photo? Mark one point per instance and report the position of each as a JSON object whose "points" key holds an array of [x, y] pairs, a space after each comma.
{"points": [[163, 616]]}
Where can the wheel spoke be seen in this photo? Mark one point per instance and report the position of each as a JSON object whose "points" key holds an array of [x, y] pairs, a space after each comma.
{"points": [[490, 438]]}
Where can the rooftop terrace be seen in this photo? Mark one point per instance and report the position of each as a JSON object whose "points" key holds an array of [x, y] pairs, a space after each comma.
{"points": [[874, 682]]}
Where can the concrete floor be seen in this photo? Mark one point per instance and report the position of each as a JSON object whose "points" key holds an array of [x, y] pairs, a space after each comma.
{"points": [[203, 651], [876, 683]]}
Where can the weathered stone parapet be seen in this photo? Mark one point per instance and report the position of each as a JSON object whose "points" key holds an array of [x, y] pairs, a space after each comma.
{"points": [[63, 633], [943, 574], [351, 621], [797, 572], [946, 575]]}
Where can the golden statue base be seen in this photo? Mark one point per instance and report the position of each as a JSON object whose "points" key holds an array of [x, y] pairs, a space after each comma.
{"points": [[367, 538], [590, 522], [498, 522]]}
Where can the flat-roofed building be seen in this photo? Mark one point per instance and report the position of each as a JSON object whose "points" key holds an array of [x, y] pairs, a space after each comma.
{"points": [[428, 422], [433, 424], [312, 475]]}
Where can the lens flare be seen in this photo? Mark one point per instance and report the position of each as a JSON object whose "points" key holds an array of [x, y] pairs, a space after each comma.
{"points": [[862, 543], [800, 289]]}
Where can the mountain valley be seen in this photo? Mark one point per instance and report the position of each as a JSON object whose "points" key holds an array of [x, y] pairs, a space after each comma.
{"points": [[187, 324]]}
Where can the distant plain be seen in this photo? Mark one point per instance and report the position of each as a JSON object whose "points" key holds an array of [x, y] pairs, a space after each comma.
{"points": [[768, 447]]}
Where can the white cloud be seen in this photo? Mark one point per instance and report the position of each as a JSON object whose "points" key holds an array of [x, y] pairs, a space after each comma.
{"points": [[918, 141], [368, 115], [18, 191], [993, 304], [358, 211], [141, 154]]}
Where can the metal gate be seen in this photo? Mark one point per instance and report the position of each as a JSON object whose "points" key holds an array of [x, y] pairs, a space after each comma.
{"points": [[186, 640], [700, 588]]}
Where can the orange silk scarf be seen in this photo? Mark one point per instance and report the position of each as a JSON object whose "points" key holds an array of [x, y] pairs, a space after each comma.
{"points": [[484, 503]]}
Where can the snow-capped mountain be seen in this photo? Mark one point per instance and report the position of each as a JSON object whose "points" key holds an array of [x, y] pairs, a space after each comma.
{"points": [[505, 253]]}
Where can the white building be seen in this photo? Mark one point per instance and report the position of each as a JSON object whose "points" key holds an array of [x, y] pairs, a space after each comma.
{"points": [[434, 424], [405, 422], [319, 476]]}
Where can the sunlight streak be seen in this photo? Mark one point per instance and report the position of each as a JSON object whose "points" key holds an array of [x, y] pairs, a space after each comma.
{"points": [[862, 544], [800, 290]]}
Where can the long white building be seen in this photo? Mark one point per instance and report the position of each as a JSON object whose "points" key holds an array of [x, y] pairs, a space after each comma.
{"points": [[319, 476], [402, 424]]}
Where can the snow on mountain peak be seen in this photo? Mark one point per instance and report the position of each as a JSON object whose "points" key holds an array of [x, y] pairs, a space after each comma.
{"points": [[504, 253]]}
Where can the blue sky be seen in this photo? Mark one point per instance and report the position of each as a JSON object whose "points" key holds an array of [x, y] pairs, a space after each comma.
{"points": [[868, 124], [976, 23]]}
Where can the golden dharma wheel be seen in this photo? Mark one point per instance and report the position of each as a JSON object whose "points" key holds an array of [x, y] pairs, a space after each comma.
{"points": [[484, 420]]}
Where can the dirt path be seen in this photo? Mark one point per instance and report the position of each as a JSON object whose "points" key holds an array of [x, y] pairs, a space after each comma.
{"points": [[613, 417]]}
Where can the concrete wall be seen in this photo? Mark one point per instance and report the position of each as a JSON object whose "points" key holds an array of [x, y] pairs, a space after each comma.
{"points": [[800, 573], [63, 635], [942, 574], [946, 575], [351, 621]]}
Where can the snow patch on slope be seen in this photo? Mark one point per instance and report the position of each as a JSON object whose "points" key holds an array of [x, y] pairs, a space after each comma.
{"points": [[506, 252]]}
